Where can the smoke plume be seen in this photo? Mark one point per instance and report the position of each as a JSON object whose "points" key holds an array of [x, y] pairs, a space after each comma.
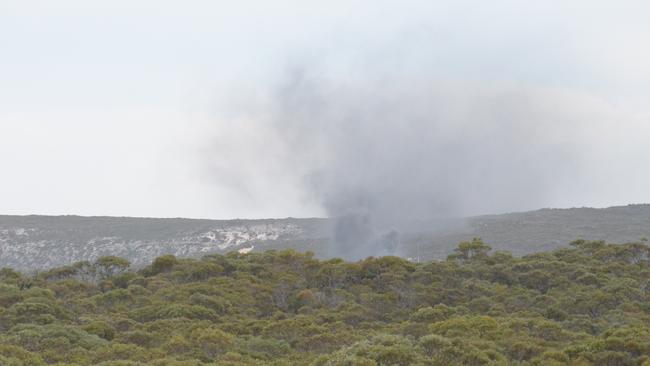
{"points": [[381, 152]]}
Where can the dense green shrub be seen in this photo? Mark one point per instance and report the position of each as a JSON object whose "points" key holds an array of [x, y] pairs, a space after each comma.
{"points": [[583, 305]]}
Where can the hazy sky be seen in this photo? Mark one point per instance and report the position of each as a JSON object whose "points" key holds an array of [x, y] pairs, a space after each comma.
{"points": [[162, 108]]}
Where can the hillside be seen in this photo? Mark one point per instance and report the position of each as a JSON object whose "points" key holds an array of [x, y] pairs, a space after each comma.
{"points": [[587, 305], [546, 229], [38, 242]]}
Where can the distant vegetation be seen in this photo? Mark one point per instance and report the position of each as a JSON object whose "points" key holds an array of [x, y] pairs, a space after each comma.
{"points": [[54, 241], [584, 305]]}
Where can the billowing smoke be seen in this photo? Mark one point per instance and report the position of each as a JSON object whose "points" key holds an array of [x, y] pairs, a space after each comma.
{"points": [[383, 154]]}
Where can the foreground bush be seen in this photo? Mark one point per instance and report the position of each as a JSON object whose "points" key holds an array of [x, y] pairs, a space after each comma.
{"points": [[584, 305]]}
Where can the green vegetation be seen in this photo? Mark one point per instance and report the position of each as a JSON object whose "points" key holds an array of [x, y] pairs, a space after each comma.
{"points": [[584, 305]]}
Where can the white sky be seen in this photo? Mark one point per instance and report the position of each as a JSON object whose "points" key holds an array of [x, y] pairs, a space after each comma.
{"points": [[109, 108]]}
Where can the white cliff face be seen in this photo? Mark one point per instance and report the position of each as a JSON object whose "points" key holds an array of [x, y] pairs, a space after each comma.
{"points": [[32, 245], [235, 236], [246, 250]]}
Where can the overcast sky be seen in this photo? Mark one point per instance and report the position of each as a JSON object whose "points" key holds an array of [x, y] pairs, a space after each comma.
{"points": [[152, 108]]}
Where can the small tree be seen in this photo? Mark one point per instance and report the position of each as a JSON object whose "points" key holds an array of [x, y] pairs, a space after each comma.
{"points": [[469, 250], [163, 264], [110, 266]]}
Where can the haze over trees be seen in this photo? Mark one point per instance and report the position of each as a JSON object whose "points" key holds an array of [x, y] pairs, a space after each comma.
{"points": [[584, 305], [55, 241], [324, 183]]}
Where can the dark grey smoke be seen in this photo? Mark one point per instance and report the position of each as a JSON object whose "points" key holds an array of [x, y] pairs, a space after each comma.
{"points": [[381, 153], [355, 236], [387, 154]]}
